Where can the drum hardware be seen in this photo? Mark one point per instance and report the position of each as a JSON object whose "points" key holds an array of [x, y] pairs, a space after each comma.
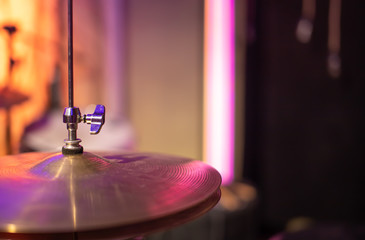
{"points": [[71, 115], [80, 195], [127, 193]]}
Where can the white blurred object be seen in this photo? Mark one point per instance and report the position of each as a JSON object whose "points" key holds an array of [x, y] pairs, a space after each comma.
{"points": [[305, 25], [304, 30]]}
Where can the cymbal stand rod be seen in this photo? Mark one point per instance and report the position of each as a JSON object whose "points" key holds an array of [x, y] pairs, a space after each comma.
{"points": [[71, 115], [70, 56]]}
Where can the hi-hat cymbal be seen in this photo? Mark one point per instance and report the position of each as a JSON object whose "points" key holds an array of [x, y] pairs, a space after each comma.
{"points": [[43, 193]]}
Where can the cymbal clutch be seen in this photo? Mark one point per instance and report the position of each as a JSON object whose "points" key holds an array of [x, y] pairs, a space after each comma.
{"points": [[72, 117]]}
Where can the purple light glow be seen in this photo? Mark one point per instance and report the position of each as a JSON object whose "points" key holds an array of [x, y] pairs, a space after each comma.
{"points": [[219, 81]]}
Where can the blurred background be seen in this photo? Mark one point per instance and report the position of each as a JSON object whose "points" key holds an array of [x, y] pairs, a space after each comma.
{"points": [[271, 93]]}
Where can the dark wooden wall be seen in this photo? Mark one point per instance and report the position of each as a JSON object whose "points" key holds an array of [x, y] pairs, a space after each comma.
{"points": [[305, 131]]}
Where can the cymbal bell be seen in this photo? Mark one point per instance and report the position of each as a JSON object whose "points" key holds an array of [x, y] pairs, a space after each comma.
{"points": [[44, 193]]}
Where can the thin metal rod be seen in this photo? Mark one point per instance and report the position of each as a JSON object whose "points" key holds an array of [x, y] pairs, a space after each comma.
{"points": [[70, 57]]}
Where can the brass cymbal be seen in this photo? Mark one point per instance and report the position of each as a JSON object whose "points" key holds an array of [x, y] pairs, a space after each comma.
{"points": [[52, 193]]}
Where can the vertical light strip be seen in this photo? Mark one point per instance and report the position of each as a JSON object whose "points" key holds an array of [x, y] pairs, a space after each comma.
{"points": [[219, 79]]}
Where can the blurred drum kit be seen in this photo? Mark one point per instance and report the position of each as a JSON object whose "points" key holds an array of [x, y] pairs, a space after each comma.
{"points": [[105, 195]]}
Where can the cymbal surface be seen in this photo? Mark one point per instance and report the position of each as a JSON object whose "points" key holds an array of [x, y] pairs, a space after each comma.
{"points": [[43, 193]]}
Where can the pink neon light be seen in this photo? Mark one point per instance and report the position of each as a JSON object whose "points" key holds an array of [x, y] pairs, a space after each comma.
{"points": [[219, 84]]}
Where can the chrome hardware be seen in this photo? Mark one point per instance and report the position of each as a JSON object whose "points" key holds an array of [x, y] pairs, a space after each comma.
{"points": [[96, 119], [72, 117]]}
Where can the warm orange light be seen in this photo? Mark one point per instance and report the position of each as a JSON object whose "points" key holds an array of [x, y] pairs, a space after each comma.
{"points": [[35, 51]]}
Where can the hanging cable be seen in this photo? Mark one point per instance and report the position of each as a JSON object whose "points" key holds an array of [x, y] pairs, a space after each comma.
{"points": [[334, 39], [305, 25]]}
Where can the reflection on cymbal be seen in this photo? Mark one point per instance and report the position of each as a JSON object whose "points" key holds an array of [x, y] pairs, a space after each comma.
{"points": [[43, 193]]}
